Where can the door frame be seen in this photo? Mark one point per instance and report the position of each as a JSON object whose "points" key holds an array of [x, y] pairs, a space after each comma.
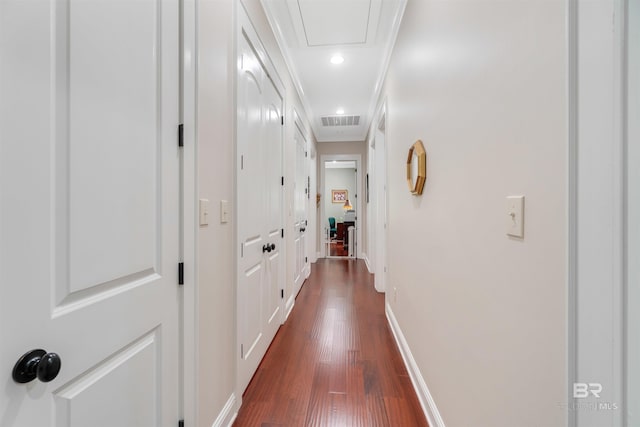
{"points": [[351, 157], [596, 98], [380, 179], [313, 209], [299, 125], [631, 104], [189, 232]]}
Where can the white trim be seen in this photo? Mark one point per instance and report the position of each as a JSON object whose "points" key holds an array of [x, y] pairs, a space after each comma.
{"points": [[619, 226], [226, 417], [359, 191], [395, 29], [189, 96], [424, 396], [289, 306], [365, 257], [233, 76], [381, 200], [597, 119], [572, 205]]}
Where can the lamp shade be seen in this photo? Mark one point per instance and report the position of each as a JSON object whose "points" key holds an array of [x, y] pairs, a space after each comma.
{"points": [[347, 205]]}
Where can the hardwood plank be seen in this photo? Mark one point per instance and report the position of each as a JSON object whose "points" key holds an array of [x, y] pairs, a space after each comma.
{"points": [[334, 362]]}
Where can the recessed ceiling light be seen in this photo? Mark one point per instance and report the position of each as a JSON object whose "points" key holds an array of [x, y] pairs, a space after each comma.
{"points": [[340, 111], [337, 59]]}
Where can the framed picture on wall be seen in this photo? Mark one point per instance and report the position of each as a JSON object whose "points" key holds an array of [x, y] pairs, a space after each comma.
{"points": [[339, 196]]}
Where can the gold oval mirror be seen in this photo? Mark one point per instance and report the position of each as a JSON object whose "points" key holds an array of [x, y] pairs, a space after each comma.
{"points": [[416, 168]]}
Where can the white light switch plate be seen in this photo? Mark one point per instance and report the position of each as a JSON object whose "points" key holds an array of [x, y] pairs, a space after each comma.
{"points": [[224, 211], [515, 216], [204, 212]]}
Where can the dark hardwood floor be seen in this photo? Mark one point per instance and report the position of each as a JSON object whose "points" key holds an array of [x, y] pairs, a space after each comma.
{"points": [[334, 362], [336, 248]]}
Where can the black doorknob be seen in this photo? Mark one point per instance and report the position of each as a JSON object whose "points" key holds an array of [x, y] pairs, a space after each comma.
{"points": [[273, 247], [266, 248], [36, 364], [302, 229]]}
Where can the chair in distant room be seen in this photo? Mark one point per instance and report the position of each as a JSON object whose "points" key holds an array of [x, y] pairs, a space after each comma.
{"points": [[332, 227]]}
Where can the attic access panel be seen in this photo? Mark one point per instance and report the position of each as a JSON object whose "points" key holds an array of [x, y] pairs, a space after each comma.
{"points": [[332, 22]]}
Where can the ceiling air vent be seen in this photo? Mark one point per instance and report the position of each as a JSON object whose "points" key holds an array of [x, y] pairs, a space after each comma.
{"points": [[340, 120]]}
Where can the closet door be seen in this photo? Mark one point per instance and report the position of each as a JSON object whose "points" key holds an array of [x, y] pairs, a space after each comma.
{"points": [[259, 195]]}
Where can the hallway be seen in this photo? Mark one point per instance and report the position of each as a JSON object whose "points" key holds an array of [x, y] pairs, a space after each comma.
{"points": [[165, 205], [334, 362]]}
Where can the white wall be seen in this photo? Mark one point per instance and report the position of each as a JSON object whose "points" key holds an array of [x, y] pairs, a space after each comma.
{"points": [[215, 324], [483, 85], [215, 159], [337, 179]]}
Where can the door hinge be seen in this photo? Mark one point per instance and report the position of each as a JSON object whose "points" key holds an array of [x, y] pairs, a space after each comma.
{"points": [[180, 135], [181, 273], [241, 162], [306, 154], [306, 222], [282, 180], [305, 260], [282, 293], [241, 351], [181, 423], [241, 250], [282, 120], [282, 233]]}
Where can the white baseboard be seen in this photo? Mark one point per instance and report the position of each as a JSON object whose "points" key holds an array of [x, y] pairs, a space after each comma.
{"points": [[289, 306], [366, 261], [318, 255], [424, 396], [227, 416]]}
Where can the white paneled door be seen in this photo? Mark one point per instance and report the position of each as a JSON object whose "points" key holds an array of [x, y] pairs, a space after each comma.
{"points": [[260, 192], [300, 224], [89, 212]]}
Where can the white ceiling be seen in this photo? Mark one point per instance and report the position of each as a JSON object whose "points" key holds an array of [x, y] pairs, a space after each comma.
{"points": [[310, 32]]}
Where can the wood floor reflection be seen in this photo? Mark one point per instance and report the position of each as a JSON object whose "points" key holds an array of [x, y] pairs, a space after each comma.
{"points": [[334, 362], [336, 248]]}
